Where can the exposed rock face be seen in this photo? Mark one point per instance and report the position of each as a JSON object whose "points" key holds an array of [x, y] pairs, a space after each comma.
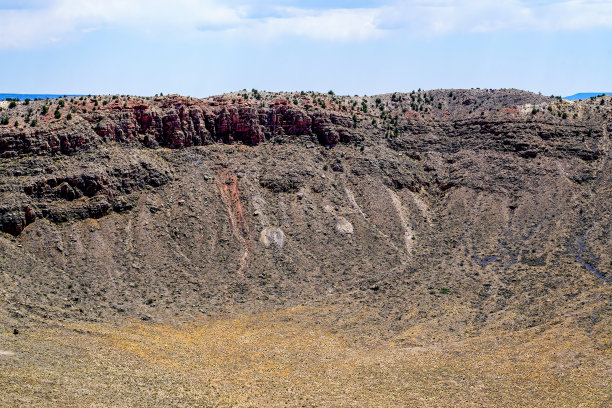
{"points": [[177, 122], [446, 213]]}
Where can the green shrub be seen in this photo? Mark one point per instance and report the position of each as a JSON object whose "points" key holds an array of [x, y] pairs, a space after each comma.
{"points": [[68, 116], [12, 104], [57, 114], [33, 123], [45, 109], [5, 121]]}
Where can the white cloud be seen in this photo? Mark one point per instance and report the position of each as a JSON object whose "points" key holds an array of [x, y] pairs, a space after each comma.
{"points": [[62, 19], [334, 24], [448, 16]]}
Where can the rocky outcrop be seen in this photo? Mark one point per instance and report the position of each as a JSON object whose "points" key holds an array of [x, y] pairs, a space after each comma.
{"points": [[433, 129], [60, 198], [175, 123]]}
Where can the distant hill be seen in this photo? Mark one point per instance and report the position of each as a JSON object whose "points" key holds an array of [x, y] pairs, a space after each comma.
{"points": [[21, 97], [585, 95]]}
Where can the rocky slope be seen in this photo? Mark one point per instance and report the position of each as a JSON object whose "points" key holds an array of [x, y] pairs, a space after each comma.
{"points": [[420, 216]]}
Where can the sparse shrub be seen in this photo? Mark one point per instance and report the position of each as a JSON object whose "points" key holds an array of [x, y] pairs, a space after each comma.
{"points": [[26, 101], [45, 109], [16, 124], [12, 104], [68, 116], [33, 123], [564, 115], [57, 114], [61, 103]]}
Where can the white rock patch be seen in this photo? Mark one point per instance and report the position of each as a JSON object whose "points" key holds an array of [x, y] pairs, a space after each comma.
{"points": [[343, 226], [272, 236]]}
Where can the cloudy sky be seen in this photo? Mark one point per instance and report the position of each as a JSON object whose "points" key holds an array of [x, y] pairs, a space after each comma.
{"points": [[206, 47]]}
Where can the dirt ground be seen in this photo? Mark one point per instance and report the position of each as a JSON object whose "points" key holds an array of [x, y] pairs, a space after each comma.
{"points": [[286, 359]]}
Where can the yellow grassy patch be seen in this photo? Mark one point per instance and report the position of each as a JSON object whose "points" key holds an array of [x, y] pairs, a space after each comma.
{"points": [[288, 358]]}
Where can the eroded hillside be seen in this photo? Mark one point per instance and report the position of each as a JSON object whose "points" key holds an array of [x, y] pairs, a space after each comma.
{"points": [[416, 218]]}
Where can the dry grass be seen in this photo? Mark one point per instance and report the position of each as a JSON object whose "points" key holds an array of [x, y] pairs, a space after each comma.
{"points": [[287, 359]]}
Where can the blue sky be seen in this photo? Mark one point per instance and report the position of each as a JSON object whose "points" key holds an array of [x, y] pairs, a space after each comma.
{"points": [[206, 47]]}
